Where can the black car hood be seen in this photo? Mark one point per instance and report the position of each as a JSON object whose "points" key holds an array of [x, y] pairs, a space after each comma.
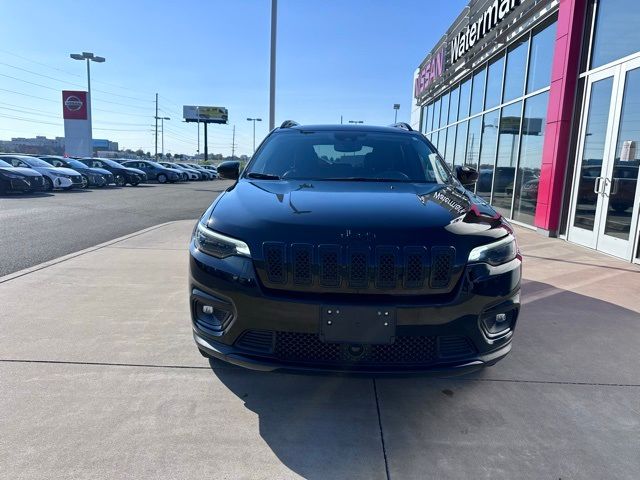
{"points": [[27, 172], [375, 213]]}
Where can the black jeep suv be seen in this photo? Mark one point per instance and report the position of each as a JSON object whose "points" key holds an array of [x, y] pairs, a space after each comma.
{"points": [[353, 248]]}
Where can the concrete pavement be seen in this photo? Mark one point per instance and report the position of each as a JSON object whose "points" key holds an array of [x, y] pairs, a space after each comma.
{"points": [[100, 379]]}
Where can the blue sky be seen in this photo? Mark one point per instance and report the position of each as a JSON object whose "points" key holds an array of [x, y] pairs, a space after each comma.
{"points": [[335, 57]]}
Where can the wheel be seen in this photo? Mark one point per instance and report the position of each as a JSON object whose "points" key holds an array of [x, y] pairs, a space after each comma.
{"points": [[48, 184], [120, 181], [134, 183], [162, 178], [85, 182], [204, 354]]}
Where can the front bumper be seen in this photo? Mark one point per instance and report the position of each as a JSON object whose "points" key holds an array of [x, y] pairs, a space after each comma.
{"points": [[259, 329]]}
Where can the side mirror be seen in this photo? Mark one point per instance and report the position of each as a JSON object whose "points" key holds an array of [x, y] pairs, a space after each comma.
{"points": [[229, 170], [467, 175]]}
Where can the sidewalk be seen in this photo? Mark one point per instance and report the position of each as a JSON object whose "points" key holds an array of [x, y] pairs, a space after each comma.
{"points": [[100, 379]]}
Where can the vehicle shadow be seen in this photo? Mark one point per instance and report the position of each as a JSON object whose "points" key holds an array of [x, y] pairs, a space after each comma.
{"points": [[26, 195], [328, 426]]}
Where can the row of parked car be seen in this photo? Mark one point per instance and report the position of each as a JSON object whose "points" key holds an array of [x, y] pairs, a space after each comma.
{"points": [[30, 173]]}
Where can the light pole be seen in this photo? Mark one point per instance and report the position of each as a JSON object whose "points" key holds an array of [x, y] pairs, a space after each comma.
{"points": [[254, 120], [89, 57], [396, 107], [356, 121], [272, 72], [162, 119]]}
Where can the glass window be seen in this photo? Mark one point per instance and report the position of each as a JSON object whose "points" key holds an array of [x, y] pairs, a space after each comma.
{"points": [[516, 67], [541, 58], [451, 145], [453, 105], [505, 171], [477, 92], [532, 142], [442, 140], [473, 142], [490, 123], [430, 118], [494, 83], [617, 31], [444, 111], [436, 115], [434, 138], [425, 116], [461, 143], [465, 95]]}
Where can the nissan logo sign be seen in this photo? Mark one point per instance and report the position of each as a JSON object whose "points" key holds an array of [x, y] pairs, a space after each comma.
{"points": [[73, 103]]}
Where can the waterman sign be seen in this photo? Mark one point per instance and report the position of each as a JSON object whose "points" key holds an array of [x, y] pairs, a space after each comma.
{"points": [[492, 16], [429, 73]]}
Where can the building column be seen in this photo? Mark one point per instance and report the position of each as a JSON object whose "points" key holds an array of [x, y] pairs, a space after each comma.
{"points": [[562, 97]]}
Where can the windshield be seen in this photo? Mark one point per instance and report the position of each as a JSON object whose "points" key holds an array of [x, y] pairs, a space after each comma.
{"points": [[76, 164], [35, 162], [111, 163], [348, 155]]}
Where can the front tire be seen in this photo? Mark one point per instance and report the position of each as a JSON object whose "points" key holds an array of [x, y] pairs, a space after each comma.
{"points": [[85, 182], [48, 184], [134, 183], [120, 181], [162, 178]]}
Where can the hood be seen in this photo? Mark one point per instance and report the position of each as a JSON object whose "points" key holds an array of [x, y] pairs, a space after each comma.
{"points": [[100, 171], [27, 172], [63, 170], [347, 213]]}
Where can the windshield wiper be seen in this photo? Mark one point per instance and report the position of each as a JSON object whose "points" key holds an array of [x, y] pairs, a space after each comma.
{"points": [[362, 179], [262, 176]]}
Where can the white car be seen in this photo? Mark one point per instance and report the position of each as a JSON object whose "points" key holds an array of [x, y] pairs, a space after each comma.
{"points": [[54, 177]]}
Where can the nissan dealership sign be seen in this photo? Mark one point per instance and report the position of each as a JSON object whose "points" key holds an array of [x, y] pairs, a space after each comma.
{"points": [[491, 17], [77, 124]]}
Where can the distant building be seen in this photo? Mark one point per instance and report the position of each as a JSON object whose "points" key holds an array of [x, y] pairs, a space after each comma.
{"points": [[50, 146]]}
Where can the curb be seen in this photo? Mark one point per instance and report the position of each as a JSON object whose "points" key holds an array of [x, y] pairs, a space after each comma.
{"points": [[69, 256]]}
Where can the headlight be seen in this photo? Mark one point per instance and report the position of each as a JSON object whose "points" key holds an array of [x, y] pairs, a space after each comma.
{"points": [[218, 245], [61, 175], [496, 253]]}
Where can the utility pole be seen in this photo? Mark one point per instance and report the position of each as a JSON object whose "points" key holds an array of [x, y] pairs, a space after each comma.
{"points": [[233, 143], [156, 156], [272, 77], [340, 119], [206, 146]]}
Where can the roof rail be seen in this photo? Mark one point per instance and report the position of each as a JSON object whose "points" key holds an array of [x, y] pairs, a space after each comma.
{"points": [[403, 125], [289, 124]]}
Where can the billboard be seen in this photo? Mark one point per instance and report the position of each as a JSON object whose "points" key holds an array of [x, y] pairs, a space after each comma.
{"points": [[193, 113], [74, 105]]}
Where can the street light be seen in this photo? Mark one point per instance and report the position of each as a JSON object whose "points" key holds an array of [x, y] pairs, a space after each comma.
{"points": [[356, 121], [89, 57], [254, 120], [396, 107], [162, 119]]}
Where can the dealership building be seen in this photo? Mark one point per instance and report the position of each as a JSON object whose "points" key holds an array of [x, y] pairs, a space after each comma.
{"points": [[543, 98]]}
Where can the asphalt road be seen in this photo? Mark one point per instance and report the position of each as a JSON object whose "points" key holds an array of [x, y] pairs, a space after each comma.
{"points": [[38, 228]]}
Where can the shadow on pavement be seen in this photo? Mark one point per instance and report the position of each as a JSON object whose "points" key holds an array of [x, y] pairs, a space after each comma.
{"points": [[561, 404], [26, 195]]}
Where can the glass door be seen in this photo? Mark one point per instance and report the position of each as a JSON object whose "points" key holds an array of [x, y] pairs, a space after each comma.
{"points": [[620, 188], [594, 139], [604, 212]]}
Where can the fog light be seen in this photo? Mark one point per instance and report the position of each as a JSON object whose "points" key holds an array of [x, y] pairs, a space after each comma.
{"points": [[208, 309], [497, 324]]}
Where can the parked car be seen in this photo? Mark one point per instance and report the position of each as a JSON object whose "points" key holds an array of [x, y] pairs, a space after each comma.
{"points": [[188, 173], [206, 174], [15, 179], [154, 171], [212, 169], [91, 177], [122, 175], [375, 258], [54, 177]]}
